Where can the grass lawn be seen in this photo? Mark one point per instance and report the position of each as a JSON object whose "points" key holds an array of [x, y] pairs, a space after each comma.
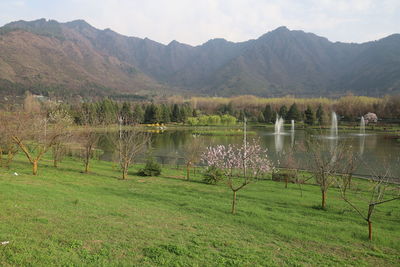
{"points": [[64, 217]]}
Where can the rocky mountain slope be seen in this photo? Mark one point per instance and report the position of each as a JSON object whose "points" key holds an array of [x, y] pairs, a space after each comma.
{"points": [[76, 58]]}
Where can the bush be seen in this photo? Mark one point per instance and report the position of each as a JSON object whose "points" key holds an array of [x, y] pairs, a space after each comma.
{"points": [[213, 175], [152, 168], [283, 175]]}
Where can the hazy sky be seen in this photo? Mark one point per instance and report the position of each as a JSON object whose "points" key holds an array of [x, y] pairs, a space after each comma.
{"points": [[196, 21]]}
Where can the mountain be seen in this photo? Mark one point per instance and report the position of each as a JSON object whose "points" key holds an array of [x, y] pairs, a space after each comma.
{"points": [[76, 58]]}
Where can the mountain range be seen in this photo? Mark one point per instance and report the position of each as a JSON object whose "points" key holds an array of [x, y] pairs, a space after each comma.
{"points": [[75, 58]]}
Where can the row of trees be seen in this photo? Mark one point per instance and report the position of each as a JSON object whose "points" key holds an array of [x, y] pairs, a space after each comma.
{"points": [[330, 165], [350, 107], [309, 116], [36, 133], [105, 112]]}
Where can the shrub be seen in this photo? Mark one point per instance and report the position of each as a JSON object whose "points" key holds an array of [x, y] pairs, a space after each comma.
{"points": [[152, 168], [284, 175], [213, 175]]}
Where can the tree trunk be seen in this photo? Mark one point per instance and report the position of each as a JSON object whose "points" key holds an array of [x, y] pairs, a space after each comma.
{"points": [[323, 199], [370, 230], [124, 171], [55, 163], [188, 171], [234, 203], [286, 181], [86, 166], [34, 167]]}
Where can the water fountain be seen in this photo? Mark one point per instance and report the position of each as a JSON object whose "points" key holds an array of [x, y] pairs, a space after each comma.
{"points": [[292, 133], [279, 125], [362, 126], [334, 126]]}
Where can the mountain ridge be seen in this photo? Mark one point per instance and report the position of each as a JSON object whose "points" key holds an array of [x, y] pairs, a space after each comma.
{"points": [[278, 63]]}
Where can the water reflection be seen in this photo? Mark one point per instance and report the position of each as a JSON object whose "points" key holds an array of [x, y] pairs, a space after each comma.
{"points": [[169, 146], [362, 144], [278, 143], [292, 139]]}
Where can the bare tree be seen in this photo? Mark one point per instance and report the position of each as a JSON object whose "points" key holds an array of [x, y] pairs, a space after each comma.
{"points": [[380, 191], [33, 136], [88, 139], [129, 144], [192, 153], [325, 161], [7, 145], [62, 122]]}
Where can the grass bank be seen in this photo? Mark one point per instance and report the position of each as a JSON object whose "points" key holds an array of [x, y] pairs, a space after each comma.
{"points": [[64, 217]]}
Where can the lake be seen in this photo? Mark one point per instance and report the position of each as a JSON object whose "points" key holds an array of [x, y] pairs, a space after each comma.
{"points": [[375, 149]]}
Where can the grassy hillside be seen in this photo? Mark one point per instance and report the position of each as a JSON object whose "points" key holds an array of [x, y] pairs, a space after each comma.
{"points": [[64, 217]]}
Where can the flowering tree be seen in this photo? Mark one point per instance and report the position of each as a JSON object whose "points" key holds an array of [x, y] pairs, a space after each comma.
{"points": [[241, 164], [370, 117]]}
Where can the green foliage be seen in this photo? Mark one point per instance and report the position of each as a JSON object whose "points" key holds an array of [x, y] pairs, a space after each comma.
{"points": [[213, 175], [283, 112], [138, 114], [176, 114], [152, 168], [320, 115], [268, 114], [293, 113], [204, 120], [261, 117], [309, 116], [152, 114]]}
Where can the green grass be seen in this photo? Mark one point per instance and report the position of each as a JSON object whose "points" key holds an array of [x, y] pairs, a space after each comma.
{"points": [[64, 217]]}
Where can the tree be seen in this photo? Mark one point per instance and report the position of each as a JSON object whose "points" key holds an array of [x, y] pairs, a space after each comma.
{"points": [[165, 114], [293, 113], [326, 161], [320, 115], [185, 111], [261, 117], [380, 191], [129, 144], [88, 139], [32, 134], [241, 164], [176, 113], [138, 114], [152, 114], [63, 120], [268, 114], [31, 104], [107, 111], [283, 112], [192, 153], [309, 116], [126, 113], [7, 145]]}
